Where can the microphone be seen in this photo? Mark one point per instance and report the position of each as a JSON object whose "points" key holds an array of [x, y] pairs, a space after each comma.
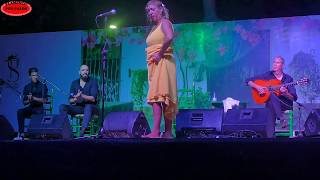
{"points": [[112, 12]]}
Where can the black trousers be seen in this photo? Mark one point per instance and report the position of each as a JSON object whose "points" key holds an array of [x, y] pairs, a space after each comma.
{"points": [[276, 107], [88, 110], [27, 112]]}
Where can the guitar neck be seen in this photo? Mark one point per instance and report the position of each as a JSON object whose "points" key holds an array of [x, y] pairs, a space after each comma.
{"points": [[283, 85]]}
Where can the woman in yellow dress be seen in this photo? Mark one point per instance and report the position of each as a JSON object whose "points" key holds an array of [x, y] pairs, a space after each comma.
{"points": [[162, 94]]}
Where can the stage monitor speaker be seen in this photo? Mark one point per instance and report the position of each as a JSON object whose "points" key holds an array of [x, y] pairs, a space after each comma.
{"points": [[250, 122], [6, 130], [50, 126], [198, 123], [312, 124], [131, 124]]}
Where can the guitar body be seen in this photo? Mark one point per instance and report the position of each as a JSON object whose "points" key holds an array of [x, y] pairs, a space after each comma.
{"points": [[262, 98]]}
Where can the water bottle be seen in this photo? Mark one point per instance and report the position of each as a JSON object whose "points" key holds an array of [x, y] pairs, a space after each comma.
{"points": [[214, 99]]}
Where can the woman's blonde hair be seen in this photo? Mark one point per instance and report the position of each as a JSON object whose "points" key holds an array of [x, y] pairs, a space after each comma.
{"points": [[159, 4]]}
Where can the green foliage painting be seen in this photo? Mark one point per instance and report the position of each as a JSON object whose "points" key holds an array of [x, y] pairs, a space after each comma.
{"points": [[139, 88]]}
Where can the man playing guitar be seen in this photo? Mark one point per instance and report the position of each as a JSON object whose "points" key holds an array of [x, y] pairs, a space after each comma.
{"points": [[284, 100]]}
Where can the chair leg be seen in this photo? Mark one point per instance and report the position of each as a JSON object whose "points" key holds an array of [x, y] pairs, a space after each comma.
{"points": [[289, 132], [291, 124], [76, 126], [92, 127]]}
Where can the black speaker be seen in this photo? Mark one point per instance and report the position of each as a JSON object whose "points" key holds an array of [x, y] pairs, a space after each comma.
{"points": [[50, 126], [250, 122], [198, 123], [312, 124], [131, 124], [6, 130]]}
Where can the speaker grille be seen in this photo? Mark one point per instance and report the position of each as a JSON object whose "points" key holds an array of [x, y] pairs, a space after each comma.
{"points": [[312, 124], [253, 122], [50, 126], [198, 122], [125, 124]]}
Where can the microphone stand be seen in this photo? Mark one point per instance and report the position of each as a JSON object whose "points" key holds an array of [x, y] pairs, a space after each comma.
{"points": [[299, 123], [104, 53], [43, 80], [42, 94], [300, 134]]}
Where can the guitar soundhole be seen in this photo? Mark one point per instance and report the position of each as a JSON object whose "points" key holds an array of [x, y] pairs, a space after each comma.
{"points": [[262, 95]]}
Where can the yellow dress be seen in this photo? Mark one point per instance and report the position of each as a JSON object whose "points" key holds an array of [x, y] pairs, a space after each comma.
{"points": [[162, 76]]}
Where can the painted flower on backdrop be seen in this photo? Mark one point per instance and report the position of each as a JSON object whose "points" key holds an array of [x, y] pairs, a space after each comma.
{"points": [[222, 50], [90, 41], [310, 24], [251, 37], [260, 24]]}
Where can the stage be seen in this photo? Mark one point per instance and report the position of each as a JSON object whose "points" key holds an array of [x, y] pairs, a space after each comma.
{"points": [[226, 158]]}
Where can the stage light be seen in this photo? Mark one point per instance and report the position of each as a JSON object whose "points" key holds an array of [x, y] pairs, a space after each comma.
{"points": [[112, 26]]}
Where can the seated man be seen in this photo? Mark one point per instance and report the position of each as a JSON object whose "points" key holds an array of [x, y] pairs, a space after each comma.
{"points": [[277, 104], [83, 98], [34, 96]]}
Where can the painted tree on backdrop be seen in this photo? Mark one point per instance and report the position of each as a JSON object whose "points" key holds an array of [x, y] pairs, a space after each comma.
{"points": [[139, 88], [201, 46], [304, 65]]}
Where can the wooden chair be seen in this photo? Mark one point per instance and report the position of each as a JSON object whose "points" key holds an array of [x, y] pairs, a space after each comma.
{"points": [[279, 132]]}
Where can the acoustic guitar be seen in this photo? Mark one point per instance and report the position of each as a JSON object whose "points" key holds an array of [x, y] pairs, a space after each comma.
{"points": [[273, 86]]}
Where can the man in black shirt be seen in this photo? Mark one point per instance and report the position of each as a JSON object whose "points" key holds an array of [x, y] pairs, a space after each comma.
{"points": [[34, 96], [83, 98], [276, 104]]}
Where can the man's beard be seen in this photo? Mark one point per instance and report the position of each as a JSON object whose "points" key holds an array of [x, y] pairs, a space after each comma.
{"points": [[85, 78]]}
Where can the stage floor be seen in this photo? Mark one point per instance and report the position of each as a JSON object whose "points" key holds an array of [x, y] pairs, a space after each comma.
{"points": [[159, 158]]}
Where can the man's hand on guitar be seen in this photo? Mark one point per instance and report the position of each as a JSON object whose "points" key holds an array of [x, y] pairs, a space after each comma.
{"points": [[283, 90], [261, 89]]}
